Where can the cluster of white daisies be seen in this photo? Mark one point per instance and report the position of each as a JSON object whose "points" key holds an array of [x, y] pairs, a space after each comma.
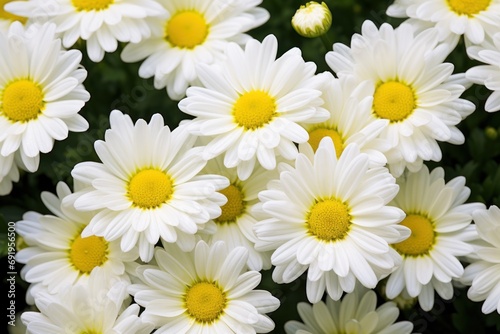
{"points": [[279, 167]]}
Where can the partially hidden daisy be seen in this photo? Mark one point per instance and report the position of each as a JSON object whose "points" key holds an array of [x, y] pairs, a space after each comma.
{"points": [[452, 18], [208, 290], [329, 216], [6, 18], [488, 73], [41, 92], [191, 32], [101, 23], [483, 274], [251, 106], [411, 86], [57, 255], [9, 173], [95, 307], [440, 224], [147, 187], [357, 312]]}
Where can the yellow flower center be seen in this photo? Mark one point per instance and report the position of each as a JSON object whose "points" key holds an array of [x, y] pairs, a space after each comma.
{"points": [[254, 109], [150, 188], [91, 331], [234, 207], [317, 134], [88, 253], [394, 101], [9, 16], [22, 101], [329, 220], [205, 302], [90, 5], [468, 7], [422, 236], [186, 29]]}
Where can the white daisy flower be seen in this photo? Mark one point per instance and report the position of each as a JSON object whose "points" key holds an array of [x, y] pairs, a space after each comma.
{"points": [[147, 186], [191, 32], [440, 223], [9, 173], [411, 87], [357, 312], [330, 217], [91, 308], [251, 106], [41, 92], [57, 255], [487, 74], [474, 19], [312, 19], [207, 290], [350, 107], [6, 18], [101, 23], [483, 274]]}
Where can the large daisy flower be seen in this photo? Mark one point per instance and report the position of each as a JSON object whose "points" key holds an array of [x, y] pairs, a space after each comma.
{"points": [[357, 312], [472, 18], [330, 216], [147, 186], [192, 32], [483, 274], [250, 107], [57, 255], [96, 307], [208, 290], [440, 224], [411, 87], [101, 23], [6, 18], [489, 73], [41, 92]]}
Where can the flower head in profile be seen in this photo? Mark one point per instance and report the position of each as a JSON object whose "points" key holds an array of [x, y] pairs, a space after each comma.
{"points": [[312, 19], [191, 32], [208, 290], [412, 87], [250, 107], [357, 312], [41, 92], [329, 216], [147, 186], [440, 224]]}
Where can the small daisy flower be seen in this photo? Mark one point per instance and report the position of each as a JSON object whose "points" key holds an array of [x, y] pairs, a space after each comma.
{"points": [[207, 290], [6, 18], [251, 107], [91, 308], [41, 92], [9, 173], [350, 107], [191, 32], [147, 187], [312, 19], [330, 217], [483, 274], [411, 87], [57, 255], [474, 19], [439, 222], [489, 73], [101, 23], [357, 312]]}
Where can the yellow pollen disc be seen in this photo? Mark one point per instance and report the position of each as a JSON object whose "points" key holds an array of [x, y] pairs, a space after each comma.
{"points": [[88, 253], [186, 29], [422, 236], [329, 220], [205, 302], [254, 109], [234, 206], [22, 101], [150, 188], [394, 101], [317, 134], [90, 5], [468, 7], [9, 16], [91, 331]]}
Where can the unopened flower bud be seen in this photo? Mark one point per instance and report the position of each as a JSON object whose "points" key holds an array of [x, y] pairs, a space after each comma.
{"points": [[312, 19]]}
